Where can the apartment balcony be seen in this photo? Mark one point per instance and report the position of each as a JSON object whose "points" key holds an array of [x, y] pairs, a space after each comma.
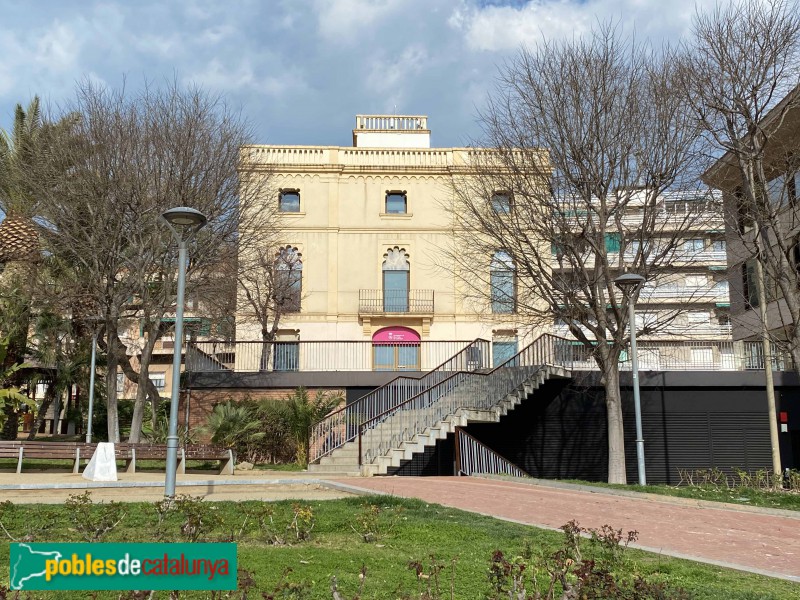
{"points": [[706, 330], [395, 302], [689, 294], [687, 257]]}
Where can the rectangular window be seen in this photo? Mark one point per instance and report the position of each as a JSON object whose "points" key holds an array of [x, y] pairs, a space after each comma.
{"points": [[749, 284], [396, 203], [159, 380], [718, 246], [778, 191], [695, 281], [721, 287], [120, 382], [612, 242], [286, 356], [501, 203], [634, 245], [694, 246], [289, 201], [744, 213], [503, 291]]}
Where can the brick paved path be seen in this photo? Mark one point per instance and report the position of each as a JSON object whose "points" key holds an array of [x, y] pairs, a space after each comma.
{"points": [[751, 541]]}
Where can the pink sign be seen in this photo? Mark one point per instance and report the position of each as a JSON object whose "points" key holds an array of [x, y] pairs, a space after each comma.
{"points": [[395, 335]]}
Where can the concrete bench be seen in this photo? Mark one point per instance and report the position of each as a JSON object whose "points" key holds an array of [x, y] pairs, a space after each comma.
{"points": [[77, 451]]}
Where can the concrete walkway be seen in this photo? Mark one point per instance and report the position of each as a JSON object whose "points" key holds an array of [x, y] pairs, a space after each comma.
{"points": [[748, 540], [53, 487]]}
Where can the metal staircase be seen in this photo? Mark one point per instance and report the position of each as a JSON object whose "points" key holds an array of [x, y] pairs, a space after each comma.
{"points": [[406, 415]]}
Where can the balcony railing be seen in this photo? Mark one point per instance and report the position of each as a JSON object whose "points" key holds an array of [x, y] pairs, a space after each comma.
{"points": [[700, 355], [686, 330], [315, 356], [392, 122], [373, 302], [685, 292]]}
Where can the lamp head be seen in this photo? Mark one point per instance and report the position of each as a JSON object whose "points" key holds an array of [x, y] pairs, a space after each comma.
{"points": [[629, 281], [184, 221], [183, 216]]}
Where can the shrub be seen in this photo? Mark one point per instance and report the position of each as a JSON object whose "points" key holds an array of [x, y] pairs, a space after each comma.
{"points": [[234, 426], [93, 521]]}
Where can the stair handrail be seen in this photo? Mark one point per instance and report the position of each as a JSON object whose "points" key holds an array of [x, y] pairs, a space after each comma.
{"points": [[544, 355], [336, 428], [498, 464]]}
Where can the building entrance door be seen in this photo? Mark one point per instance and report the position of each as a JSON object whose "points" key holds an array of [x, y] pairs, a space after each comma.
{"points": [[395, 349]]}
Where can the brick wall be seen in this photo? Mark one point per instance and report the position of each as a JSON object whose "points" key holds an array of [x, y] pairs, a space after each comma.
{"points": [[202, 402]]}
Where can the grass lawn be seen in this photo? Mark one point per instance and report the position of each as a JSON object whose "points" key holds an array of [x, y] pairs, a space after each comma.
{"points": [[415, 532], [279, 467], [787, 500]]}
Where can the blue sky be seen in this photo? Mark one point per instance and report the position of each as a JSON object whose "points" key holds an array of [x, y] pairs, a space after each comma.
{"points": [[300, 70]]}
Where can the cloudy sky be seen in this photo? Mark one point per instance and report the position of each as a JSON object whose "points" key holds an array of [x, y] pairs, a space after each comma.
{"points": [[300, 70]]}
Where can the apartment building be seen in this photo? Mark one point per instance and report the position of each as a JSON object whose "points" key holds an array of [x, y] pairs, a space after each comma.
{"points": [[689, 300], [782, 173]]}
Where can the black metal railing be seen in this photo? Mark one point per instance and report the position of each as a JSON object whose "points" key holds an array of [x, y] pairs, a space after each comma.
{"points": [[374, 302]]}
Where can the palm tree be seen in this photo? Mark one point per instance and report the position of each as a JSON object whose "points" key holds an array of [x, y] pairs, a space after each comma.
{"points": [[19, 240], [20, 152], [10, 396], [304, 412], [25, 154]]}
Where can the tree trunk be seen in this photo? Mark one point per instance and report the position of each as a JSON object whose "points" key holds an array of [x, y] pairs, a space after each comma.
{"points": [[11, 426], [616, 431], [47, 400], [111, 395], [266, 352], [138, 413]]}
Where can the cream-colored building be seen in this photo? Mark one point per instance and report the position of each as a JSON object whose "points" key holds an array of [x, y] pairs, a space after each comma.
{"points": [[372, 228]]}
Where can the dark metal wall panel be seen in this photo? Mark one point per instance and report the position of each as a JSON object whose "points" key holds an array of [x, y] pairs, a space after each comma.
{"points": [[436, 460], [561, 433]]}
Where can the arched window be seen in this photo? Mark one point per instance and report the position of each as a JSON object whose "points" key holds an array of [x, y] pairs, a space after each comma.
{"points": [[288, 279], [502, 281], [396, 272]]}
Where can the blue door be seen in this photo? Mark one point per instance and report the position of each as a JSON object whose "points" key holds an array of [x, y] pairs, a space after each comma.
{"points": [[395, 291], [503, 351]]}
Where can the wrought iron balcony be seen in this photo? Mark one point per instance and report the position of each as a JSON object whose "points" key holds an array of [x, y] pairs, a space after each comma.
{"points": [[376, 302]]}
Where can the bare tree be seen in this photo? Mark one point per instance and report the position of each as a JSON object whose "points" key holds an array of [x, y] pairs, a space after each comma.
{"points": [[741, 77], [586, 140], [133, 157], [270, 279]]}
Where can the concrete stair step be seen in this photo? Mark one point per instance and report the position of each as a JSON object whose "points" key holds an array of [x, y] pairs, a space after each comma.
{"points": [[346, 457]]}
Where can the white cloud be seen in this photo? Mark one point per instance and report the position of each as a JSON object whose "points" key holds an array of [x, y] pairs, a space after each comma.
{"points": [[503, 29], [57, 47], [393, 75], [344, 22], [226, 78]]}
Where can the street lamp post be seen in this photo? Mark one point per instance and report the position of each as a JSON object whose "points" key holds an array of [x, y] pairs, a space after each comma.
{"points": [[94, 322], [184, 223], [629, 283]]}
